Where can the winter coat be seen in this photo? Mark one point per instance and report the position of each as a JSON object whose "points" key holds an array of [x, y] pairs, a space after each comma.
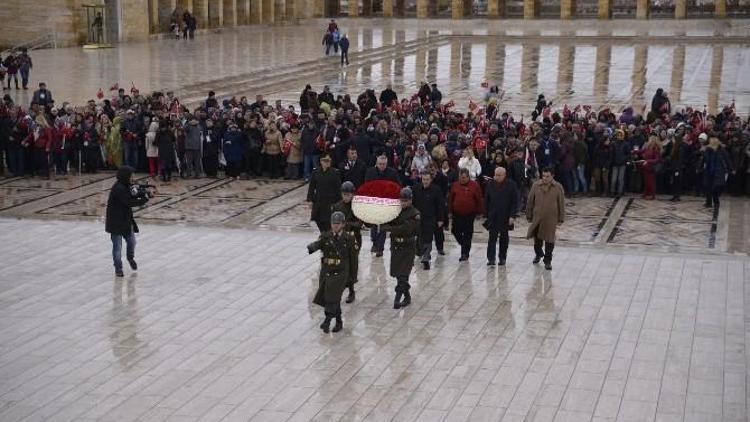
{"points": [[193, 136], [152, 150], [472, 164], [307, 139], [272, 144], [295, 153], [501, 201], [430, 202], [119, 216], [233, 145], [165, 144], [545, 208], [715, 167], [603, 156], [620, 153], [323, 191], [354, 173], [403, 229]]}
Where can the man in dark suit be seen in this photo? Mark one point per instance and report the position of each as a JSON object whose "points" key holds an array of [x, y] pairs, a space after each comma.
{"points": [[353, 170], [501, 202], [429, 200]]}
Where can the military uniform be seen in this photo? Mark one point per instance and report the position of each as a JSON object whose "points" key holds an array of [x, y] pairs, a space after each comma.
{"points": [[353, 227], [404, 230], [338, 253]]}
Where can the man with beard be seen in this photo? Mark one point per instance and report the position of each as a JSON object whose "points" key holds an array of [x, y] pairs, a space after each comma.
{"points": [[429, 201], [501, 200], [404, 229], [323, 191], [339, 252], [353, 227]]}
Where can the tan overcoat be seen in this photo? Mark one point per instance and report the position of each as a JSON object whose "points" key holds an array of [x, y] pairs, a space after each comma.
{"points": [[545, 208]]}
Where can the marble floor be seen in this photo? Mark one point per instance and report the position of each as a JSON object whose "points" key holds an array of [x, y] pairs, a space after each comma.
{"points": [[217, 325], [619, 63]]}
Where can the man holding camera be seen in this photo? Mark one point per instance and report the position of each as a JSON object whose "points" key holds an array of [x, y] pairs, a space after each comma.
{"points": [[119, 222]]}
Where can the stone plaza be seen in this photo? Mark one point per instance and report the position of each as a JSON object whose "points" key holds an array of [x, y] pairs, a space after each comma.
{"points": [[642, 319]]}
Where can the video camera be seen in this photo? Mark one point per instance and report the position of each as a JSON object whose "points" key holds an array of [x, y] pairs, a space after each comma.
{"points": [[142, 191]]}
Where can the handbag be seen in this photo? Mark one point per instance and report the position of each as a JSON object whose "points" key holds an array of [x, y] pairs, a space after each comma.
{"points": [[286, 147]]}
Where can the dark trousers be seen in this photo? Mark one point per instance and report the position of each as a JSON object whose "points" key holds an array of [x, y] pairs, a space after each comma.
{"points": [[547, 252], [165, 168], [712, 196], [61, 162], [234, 168], [117, 248], [439, 238], [502, 251], [402, 284], [323, 225], [378, 239], [24, 77], [344, 57], [677, 184], [463, 231], [332, 310], [41, 167], [15, 160]]}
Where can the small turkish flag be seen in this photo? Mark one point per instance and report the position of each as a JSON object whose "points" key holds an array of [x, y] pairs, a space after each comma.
{"points": [[100, 94], [114, 87]]}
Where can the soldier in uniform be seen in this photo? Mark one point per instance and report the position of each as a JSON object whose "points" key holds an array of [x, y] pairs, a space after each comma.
{"points": [[353, 227], [339, 252], [323, 191], [404, 231]]}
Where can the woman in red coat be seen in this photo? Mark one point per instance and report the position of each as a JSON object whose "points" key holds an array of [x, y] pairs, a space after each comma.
{"points": [[650, 158], [40, 139]]}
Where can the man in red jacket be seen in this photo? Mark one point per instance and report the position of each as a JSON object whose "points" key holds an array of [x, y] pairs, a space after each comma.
{"points": [[465, 202]]}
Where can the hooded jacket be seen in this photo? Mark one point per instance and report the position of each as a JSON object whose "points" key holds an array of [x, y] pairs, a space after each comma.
{"points": [[119, 218]]}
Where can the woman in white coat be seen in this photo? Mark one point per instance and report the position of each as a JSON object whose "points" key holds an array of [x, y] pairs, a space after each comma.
{"points": [[471, 163], [152, 151]]}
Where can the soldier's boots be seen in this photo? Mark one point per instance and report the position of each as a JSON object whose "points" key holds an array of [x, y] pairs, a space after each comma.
{"points": [[326, 325], [350, 297], [407, 300], [397, 301], [339, 325]]}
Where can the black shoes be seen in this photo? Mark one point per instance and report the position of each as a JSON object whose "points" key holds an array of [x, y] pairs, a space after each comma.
{"points": [[378, 254], [537, 259], [397, 301], [132, 263], [339, 325], [407, 300], [425, 265], [490, 263], [501, 263], [548, 266], [350, 297], [326, 325], [119, 273], [463, 258], [441, 252], [675, 199]]}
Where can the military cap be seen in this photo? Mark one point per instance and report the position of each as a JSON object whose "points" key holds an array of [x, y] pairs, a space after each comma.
{"points": [[347, 187], [405, 193], [338, 217]]}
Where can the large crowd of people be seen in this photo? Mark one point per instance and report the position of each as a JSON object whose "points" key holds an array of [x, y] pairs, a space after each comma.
{"points": [[592, 152]]}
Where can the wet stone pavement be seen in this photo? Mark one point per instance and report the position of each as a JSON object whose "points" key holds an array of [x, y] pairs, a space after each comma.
{"points": [[641, 319]]}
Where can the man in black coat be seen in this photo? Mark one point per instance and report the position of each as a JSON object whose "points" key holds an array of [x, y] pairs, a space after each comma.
{"points": [[310, 152], [388, 96], [501, 201], [353, 170], [381, 171], [429, 200], [404, 230], [323, 191], [363, 143], [119, 222], [441, 181]]}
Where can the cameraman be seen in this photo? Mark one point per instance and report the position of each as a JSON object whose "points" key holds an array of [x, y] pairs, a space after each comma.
{"points": [[119, 221]]}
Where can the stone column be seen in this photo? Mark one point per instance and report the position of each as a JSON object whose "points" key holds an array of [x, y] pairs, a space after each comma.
{"points": [[567, 9], [420, 60], [641, 9], [385, 63], [638, 80], [255, 13], [601, 72], [680, 9], [367, 8], [565, 69], [455, 63], [714, 85], [134, 26], [387, 8], [530, 9], [465, 61], [678, 73], [422, 6], [492, 9], [153, 17], [201, 13], [318, 9], [268, 11], [353, 8], [230, 12], [457, 9], [432, 63], [720, 10], [605, 9], [290, 11], [398, 8]]}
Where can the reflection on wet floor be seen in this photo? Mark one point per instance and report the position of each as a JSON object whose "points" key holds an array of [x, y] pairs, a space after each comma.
{"points": [[617, 63]]}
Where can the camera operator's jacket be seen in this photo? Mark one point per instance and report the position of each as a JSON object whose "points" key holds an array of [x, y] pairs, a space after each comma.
{"points": [[119, 218]]}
